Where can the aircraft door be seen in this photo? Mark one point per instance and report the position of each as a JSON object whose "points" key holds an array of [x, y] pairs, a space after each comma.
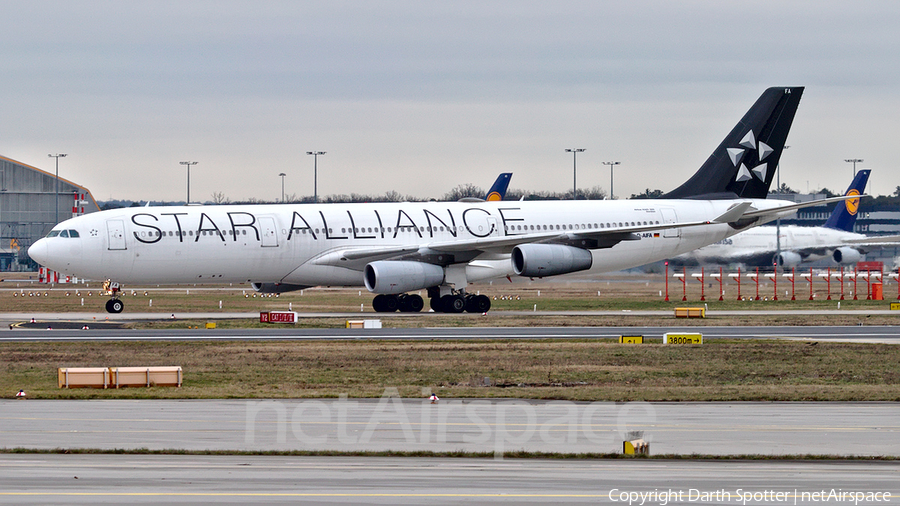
{"points": [[668, 216], [116, 231], [268, 231]]}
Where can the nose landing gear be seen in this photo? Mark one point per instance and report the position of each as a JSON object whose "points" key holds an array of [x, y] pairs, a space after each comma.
{"points": [[113, 305]]}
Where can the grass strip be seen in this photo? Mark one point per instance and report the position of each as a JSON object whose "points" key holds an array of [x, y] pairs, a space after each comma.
{"points": [[577, 370]]}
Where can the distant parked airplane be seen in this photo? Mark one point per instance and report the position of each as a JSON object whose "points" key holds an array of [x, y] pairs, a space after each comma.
{"points": [[835, 239], [496, 192]]}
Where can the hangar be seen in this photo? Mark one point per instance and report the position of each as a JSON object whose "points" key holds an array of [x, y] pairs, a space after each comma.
{"points": [[31, 202]]}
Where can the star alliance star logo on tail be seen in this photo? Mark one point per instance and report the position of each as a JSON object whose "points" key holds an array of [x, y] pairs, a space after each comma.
{"points": [[737, 156]]}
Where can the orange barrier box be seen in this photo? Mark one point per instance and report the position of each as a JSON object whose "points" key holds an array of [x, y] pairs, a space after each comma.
{"points": [[157, 376], [83, 377]]}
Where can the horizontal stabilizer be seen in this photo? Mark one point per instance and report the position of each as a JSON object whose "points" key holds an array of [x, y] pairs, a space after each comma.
{"points": [[734, 214]]}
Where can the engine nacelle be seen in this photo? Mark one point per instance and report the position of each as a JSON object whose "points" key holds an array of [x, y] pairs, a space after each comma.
{"points": [[400, 276], [276, 287], [846, 256], [538, 260], [788, 259]]}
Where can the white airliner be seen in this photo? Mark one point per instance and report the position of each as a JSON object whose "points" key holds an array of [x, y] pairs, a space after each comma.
{"points": [[835, 240], [395, 248]]}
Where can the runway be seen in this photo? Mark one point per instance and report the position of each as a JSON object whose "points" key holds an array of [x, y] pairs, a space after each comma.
{"points": [[493, 426], [150, 479], [866, 333]]}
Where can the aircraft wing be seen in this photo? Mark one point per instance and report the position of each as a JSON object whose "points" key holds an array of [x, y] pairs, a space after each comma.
{"points": [[356, 258], [878, 240], [862, 244]]}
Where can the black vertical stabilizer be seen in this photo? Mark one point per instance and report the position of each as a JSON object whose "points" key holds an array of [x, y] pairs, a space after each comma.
{"points": [[744, 164]]}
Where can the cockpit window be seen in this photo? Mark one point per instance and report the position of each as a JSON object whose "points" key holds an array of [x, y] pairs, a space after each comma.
{"points": [[64, 233], [53, 233], [73, 233]]}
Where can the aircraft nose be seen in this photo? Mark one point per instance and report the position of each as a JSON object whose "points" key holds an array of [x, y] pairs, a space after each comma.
{"points": [[38, 251]]}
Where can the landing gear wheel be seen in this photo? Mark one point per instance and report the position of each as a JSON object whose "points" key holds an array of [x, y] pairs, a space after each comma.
{"points": [[436, 304], [453, 303], [478, 304], [114, 306], [378, 304], [391, 303], [411, 303]]}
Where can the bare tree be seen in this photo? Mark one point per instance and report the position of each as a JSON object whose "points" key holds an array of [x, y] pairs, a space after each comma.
{"points": [[219, 198], [393, 196], [462, 191]]}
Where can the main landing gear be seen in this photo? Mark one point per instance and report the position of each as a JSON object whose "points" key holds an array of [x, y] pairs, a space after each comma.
{"points": [[450, 303], [113, 305], [404, 303]]}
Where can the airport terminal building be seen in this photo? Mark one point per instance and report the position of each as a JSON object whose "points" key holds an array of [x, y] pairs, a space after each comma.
{"points": [[32, 201]]}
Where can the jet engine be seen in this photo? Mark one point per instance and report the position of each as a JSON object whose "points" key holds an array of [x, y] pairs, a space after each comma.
{"points": [[538, 260], [846, 256], [788, 259], [276, 287], [400, 276]]}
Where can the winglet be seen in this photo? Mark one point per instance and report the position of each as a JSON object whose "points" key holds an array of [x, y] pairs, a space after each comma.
{"points": [[734, 213]]}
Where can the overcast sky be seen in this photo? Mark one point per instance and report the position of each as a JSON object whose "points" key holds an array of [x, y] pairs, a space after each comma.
{"points": [[420, 97]]}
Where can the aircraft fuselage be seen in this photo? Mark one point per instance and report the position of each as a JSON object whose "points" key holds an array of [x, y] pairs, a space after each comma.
{"points": [[296, 244]]}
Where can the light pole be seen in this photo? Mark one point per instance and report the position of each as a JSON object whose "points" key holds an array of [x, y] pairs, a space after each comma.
{"points": [[854, 161], [315, 155], [574, 173], [778, 221], [282, 186], [56, 193], [611, 165], [188, 164]]}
